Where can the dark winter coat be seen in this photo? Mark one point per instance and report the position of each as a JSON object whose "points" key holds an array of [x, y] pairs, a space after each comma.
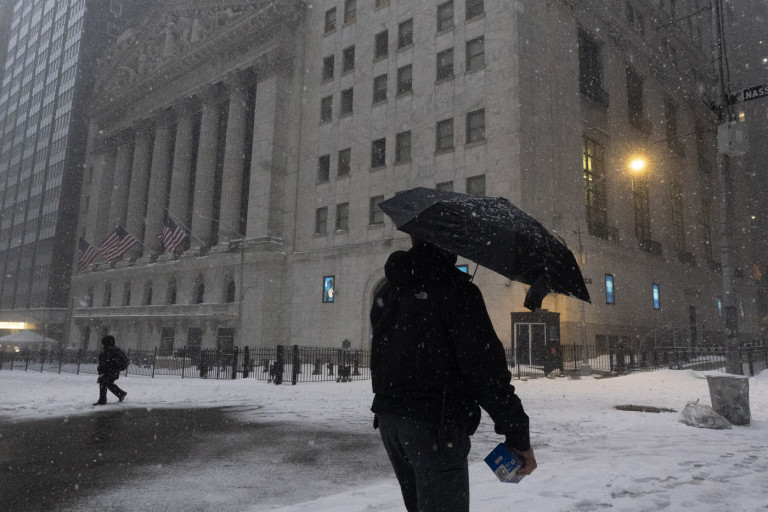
{"points": [[109, 361], [435, 355]]}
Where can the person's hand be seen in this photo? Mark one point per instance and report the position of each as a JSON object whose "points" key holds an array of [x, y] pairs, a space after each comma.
{"points": [[529, 464]]}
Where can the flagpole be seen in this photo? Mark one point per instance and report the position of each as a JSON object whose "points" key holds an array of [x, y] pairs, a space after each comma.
{"points": [[173, 217]]}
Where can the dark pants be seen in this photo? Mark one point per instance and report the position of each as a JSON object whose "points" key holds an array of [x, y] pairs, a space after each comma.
{"points": [[107, 382], [430, 463]]}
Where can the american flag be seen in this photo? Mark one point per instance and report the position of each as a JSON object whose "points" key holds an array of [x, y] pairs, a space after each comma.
{"points": [[85, 254], [117, 244], [173, 235]]}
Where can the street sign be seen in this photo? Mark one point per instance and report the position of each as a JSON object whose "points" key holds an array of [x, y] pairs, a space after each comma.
{"points": [[750, 93]]}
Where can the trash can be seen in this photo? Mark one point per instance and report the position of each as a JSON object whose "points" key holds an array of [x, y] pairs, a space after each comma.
{"points": [[730, 397]]}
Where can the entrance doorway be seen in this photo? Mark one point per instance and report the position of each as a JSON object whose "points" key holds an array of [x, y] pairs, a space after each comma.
{"points": [[529, 342]]}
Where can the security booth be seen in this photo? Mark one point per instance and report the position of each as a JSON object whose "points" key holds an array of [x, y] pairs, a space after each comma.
{"points": [[536, 342]]}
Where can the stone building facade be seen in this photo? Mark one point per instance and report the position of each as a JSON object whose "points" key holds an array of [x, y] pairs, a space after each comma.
{"points": [[270, 130]]}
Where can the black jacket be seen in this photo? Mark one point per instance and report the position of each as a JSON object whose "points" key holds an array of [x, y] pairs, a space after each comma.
{"points": [[109, 361], [435, 355]]}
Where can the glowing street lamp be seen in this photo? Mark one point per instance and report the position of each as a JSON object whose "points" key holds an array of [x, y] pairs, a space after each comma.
{"points": [[637, 164]]}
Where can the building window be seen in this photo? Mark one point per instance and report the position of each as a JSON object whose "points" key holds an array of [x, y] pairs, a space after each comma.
{"points": [[445, 64], [347, 96], [148, 293], [326, 109], [127, 293], [656, 297], [474, 9], [591, 69], [678, 225], [166, 341], [670, 121], [405, 79], [719, 304], [229, 291], [345, 162], [446, 186], [403, 147], [476, 185], [444, 133], [198, 295], [476, 54], [329, 284], [641, 203], [107, 295], [350, 11], [330, 20], [328, 64], [225, 340], [593, 161], [635, 99], [609, 296], [342, 217], [381, 45], [375, 213], [476, 126], [445, 16], [380, 88], [378, 153], [405, 34], [348, 59], [323, 168], [170, 296], [321, 220]]}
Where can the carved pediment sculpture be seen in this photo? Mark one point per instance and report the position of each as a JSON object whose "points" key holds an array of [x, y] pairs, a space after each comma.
{"points": [[175, 32]]}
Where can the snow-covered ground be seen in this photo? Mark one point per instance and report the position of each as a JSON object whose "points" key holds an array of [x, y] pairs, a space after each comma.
{"points": [[591, 456]]}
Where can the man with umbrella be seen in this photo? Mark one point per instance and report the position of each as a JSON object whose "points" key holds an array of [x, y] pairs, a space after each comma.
{"points": [[435, 361]]}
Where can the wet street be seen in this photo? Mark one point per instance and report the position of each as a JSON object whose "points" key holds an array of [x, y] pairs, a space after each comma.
{"points": [[139, 459]]}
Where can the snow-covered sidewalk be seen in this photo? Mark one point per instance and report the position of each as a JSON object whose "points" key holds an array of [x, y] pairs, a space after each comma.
{"points": [[591, 456]]}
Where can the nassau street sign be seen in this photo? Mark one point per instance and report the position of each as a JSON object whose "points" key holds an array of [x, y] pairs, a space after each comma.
{"points": [[751, 93]]}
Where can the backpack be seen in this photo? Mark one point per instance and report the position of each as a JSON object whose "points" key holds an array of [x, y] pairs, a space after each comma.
{"points": [[121, 361]]}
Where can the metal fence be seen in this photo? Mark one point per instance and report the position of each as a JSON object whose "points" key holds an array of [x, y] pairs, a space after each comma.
{"points": [[296, 364], [274, 364]]}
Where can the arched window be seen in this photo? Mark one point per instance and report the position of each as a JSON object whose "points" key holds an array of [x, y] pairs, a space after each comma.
{"points": [[229, 291]]}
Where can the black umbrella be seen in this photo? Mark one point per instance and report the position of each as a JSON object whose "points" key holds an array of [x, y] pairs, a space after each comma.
{"points": [[494, 233]]}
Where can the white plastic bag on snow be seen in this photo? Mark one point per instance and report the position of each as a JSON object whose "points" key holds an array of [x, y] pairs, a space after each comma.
{"points": [[702, 416]]}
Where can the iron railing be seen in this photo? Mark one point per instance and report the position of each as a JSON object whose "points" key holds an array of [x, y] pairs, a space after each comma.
{"points": [[313, 364]]}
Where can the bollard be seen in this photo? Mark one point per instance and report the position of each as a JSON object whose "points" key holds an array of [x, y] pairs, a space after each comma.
{"points": [[730, 397], [246, 361], [279, 365]]}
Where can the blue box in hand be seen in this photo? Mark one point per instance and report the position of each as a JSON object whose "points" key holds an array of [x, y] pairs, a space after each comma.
{"points": [[505, 464]]}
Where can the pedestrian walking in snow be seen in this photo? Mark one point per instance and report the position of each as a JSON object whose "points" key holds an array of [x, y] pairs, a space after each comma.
{"points": [[435, 361], [112, 361]]}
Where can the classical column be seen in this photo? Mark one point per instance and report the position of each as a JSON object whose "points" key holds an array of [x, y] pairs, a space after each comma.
{"points": [[268, 160], [121, 182], [234, 159], [158, 184], [101, 192], [202, 205], [137, 194], [181, 175]]}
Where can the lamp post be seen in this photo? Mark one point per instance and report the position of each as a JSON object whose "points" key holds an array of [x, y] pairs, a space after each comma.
{"points": [[637, 164]]}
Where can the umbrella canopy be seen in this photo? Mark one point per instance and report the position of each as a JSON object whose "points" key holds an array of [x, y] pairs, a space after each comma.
{"points": [[494, 233], [26, 337]]}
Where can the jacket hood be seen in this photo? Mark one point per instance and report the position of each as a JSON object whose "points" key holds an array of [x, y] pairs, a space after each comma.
{"points": [[108, 341], [423, 262]]}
